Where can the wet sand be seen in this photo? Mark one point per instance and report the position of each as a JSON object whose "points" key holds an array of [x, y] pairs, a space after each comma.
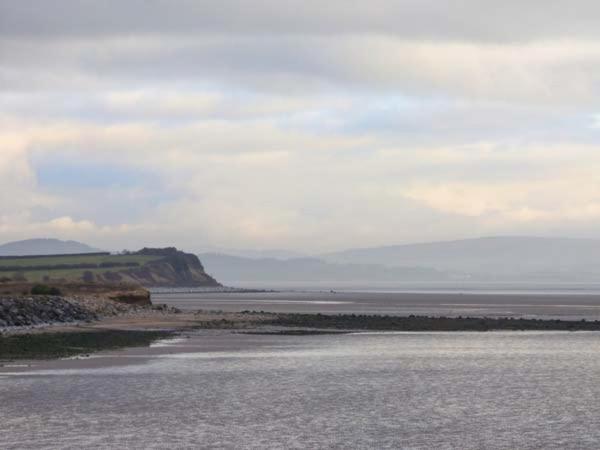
{"points": [[190, 341], [221, 314]]}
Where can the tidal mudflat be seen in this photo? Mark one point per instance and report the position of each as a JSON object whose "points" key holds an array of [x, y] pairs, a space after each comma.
{"points": [[557, 305]]}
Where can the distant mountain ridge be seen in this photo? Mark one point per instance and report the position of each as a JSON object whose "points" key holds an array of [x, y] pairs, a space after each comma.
{"points": [[238, 269], [45, 247], [492, 255], [253, 253]]}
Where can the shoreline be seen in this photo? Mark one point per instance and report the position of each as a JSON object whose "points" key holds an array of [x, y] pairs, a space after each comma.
{"points": [[68, 344], [142, 328], [375, 322]]}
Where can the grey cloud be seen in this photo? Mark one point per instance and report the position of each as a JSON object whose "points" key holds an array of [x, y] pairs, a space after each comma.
{"points": [[559, 72], [395, 121], [420, 19]]}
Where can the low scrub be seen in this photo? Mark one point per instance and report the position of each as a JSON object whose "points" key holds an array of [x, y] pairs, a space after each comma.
{"points": [[43, 289]]}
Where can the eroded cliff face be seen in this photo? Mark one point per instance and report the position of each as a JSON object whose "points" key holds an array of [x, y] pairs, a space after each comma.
{"points": [[171, 268]]}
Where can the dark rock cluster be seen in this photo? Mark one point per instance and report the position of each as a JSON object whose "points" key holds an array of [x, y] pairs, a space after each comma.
{"points": [[424, 323], [39, 310]]}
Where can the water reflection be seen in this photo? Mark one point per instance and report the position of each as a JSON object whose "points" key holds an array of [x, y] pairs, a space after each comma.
{"points": [[367, 390]]}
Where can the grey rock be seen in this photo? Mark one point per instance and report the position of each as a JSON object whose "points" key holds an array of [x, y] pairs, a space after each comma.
{"points": [[27, 311]]}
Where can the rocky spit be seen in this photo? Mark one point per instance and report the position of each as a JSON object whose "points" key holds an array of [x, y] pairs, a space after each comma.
{"points": [[40, 310], [18, 312]]}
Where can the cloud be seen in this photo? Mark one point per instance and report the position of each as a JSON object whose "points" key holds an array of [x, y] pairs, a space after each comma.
{"points": [[422, 19], [259, 183], [563, 190], [555, 71], [297, 124]]}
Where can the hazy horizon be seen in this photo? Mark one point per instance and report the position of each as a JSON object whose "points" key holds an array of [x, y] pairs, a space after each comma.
{"points": [[286, 253], [488, 261]]}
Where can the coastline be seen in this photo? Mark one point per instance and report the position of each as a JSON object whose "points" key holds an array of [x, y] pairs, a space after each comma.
{"points": [[143, 326]]}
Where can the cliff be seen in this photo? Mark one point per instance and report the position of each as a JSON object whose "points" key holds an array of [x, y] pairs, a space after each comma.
{"points": [[148, 267], [170, 267]]}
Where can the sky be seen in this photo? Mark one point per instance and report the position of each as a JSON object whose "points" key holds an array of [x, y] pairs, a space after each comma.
{"points": [[304, 125]]}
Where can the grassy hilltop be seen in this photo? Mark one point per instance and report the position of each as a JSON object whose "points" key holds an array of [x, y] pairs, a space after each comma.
{"points": [[148, 267], [67, 267]]}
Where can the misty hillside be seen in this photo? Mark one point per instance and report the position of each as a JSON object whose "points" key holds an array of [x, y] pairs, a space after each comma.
{"points": [[234, 269], [493, 255], [44, 247], [253, 253]]}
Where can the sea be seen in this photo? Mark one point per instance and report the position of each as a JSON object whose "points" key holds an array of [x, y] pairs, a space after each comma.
{"points": [[574, 301], [365, 390]]}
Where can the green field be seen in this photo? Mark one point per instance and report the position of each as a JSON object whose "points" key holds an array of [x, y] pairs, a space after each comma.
{"points": [[38, 276], [77, 259], [46, 271]]}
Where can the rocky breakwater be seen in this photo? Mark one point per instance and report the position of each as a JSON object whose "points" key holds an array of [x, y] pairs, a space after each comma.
{"points": [[39, 310], [26, 311]]}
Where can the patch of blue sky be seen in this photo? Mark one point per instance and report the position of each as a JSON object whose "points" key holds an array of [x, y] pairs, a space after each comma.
{"points": [[107, 194], [78, 174], [450, 121], [112, 209]]}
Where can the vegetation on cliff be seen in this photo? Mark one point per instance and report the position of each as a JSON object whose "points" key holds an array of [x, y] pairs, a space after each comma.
{"points": [[170, 267], [147, 267]]}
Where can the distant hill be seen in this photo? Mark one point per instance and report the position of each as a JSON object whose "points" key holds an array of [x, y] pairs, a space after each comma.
{"points": [[497, 256], [45, 247], [236, 269], [253, 253]]}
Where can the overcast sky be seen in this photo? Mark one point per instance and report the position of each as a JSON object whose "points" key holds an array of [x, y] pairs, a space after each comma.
{"points": [[304, 125]]}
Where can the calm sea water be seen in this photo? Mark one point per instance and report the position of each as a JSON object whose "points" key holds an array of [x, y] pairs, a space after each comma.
{"points": [[373, 390]]}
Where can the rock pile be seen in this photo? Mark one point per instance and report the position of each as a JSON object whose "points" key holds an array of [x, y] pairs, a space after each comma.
{"points": [[39, 310], [108, 307], [103, 307]]}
